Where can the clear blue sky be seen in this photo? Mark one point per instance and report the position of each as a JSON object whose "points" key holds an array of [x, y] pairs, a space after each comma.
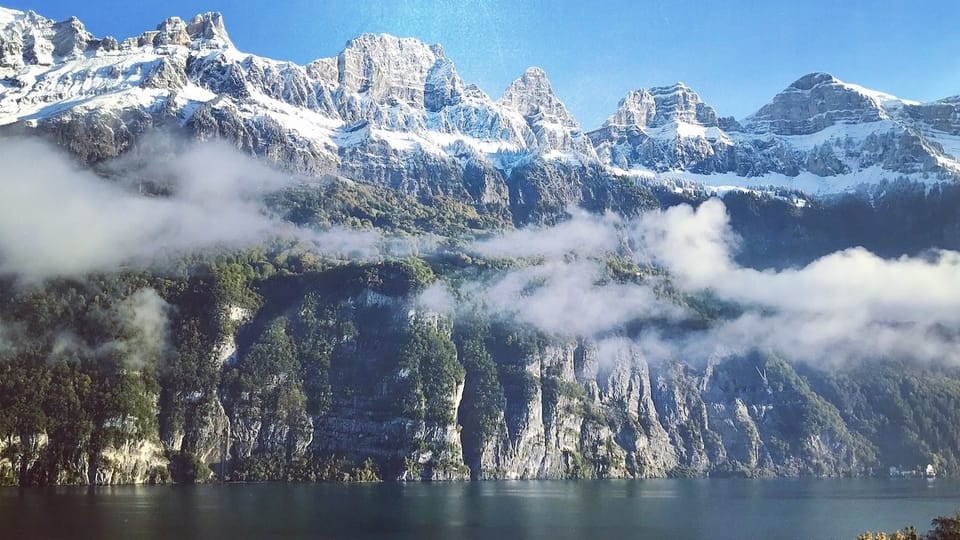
{"points": [[736, 53]]}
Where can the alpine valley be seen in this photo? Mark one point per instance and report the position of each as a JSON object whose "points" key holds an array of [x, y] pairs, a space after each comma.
{"points": [[360, 332]]}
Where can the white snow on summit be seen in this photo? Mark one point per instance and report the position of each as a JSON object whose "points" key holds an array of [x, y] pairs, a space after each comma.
{"points": [[400, 94]]}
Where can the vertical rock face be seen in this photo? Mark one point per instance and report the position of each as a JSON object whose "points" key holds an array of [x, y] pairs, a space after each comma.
{"points": [[443, 87], [29, 39], [71, 39], [134, 462], [386, 69], [942, 115], [532, 95], [535, 439], [638, 108], [172, 31], [207, 31], [814, 102], [660, 106], [344, 366], [678, 103], [596, 411], [570, 408], [552, 125]]}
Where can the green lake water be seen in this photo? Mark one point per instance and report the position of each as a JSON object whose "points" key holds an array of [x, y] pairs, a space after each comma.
{"points": [[716, 509]]}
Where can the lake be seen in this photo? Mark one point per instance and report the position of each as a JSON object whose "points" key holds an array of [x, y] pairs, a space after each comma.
{"points": [[673, 508]]}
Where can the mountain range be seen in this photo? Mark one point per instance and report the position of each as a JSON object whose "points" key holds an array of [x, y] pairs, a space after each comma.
{"points": [[442, 285], [387, 109]]}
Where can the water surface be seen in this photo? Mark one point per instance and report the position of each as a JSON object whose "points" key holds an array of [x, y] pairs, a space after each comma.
{"points": [[717, 509]]}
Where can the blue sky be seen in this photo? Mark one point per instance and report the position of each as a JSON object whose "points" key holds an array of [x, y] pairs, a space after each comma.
{"points": [[736, 53]]}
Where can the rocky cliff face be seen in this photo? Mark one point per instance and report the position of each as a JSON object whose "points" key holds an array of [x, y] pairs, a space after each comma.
{"points": [[817, 101], [134, 461], [570, 408], [343, 374]]}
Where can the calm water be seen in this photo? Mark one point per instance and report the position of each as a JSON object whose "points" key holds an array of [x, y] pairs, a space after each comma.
{"points": [[593, 510]]}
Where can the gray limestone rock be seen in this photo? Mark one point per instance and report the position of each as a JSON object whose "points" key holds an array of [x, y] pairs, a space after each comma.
{"points": [[812, 103]]}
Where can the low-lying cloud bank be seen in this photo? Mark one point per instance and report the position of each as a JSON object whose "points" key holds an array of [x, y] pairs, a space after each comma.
{"points": [[59, 219], [849, 305]]}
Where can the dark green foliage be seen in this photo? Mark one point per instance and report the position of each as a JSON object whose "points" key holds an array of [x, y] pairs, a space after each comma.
{"points": [[266, 385], [324, 339], [513, 348], [120, 406], [190, 369], [622, 195], [800, 414], [555, 388], [550, 387], [334, 202], [263, 466], [316, 325], [429, 374], [890, 219], [398, 277], [944, 528], [910, 411], [186, 468], [71, 377], [266, 369], [483, 400]]}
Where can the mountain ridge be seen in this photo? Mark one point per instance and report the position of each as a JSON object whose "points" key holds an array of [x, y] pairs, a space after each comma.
{"points": [[400, 105]]}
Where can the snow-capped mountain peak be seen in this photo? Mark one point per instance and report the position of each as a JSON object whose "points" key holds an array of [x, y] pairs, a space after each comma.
{"points": [[205, 31], [679, 103], [395, 110], [662, 105], [884, 100], [557, 133], [385, 67], [531, 94], [637, 108], [29, 39], [820, 134], [819, 100]]}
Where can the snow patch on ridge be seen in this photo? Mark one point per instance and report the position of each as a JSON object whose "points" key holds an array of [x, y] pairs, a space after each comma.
{"points": [[884, 100]]}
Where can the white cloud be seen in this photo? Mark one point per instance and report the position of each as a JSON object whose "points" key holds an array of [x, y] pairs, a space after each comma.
{"points": [[57, 219], [584, 234], [568, 298], [845, 306], [145, 314]]}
